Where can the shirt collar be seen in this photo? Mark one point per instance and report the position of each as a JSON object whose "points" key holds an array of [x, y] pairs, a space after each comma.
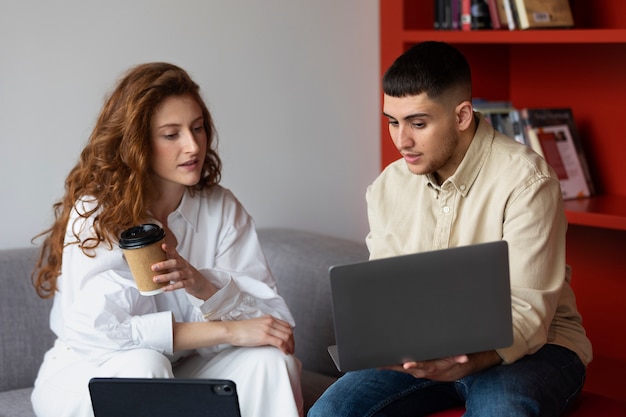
{"points": [[189, 211]]}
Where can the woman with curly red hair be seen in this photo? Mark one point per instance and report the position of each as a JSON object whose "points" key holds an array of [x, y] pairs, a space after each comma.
{"points": [[152, 158]]}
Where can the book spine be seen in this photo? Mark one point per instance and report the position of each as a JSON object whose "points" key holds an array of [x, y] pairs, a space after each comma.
{"points": [[520, 14], [437, 15], [466, 15], [518, 131], [508, 9], [455, 14], [447, 15], [531, 135], [480, 15], [493, 14]]}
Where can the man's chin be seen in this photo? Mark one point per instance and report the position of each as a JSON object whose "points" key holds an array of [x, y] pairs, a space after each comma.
{"points": [[417, 170]]}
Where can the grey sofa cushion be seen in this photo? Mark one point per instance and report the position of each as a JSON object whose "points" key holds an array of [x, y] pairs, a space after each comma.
{"points": [[16, 403], [300, 262], [21, 308]]}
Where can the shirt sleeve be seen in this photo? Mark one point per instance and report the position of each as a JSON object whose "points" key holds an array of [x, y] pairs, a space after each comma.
{"points": [[98, 310], [247, 288], [534, 228]]}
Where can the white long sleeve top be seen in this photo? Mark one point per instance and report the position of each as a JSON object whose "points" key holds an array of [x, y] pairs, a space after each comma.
{"points": [[98, 310]]}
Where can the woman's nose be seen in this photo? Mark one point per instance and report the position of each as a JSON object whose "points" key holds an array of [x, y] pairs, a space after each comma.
{"points": [[190, 143]]}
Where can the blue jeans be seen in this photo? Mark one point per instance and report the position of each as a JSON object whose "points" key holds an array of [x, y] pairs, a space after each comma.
{"points": [[542, 384]]}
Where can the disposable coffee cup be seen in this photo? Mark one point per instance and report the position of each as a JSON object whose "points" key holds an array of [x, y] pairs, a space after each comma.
{"points": [[142, 248]]}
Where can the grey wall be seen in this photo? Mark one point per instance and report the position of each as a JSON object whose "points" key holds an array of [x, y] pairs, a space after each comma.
{"points": [[293, 86]]}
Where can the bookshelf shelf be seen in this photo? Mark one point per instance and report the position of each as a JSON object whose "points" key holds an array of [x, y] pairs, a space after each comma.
{"points": [[605, 211], [510, 37]]}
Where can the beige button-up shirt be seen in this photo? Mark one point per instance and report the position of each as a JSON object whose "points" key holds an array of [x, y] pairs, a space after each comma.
{"points": [[502, 190]]}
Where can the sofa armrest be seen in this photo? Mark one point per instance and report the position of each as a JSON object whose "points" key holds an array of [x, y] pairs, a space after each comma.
{"points": [[24, 320]]}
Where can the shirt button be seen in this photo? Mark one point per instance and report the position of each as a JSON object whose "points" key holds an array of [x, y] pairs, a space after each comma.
{"points": [[462, 187], [446, 209]]}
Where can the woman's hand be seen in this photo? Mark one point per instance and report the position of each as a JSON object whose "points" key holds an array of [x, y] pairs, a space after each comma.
{"points": [[181, 274], [261, 331]]}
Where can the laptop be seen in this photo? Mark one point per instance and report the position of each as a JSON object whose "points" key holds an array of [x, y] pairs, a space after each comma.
{"points": [[421, 306], [154, 397]]}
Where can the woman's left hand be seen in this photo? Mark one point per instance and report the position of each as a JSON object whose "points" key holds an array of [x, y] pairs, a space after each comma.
{"points": [[181, 274]]}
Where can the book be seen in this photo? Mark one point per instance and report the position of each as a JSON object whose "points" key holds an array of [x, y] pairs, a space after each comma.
{"points": [[503, 117], [518, 130], [445, 14], [479, 11], [466, 15], [508, 11], [486, 106], [442, 14], [455, 14], [438, 17], [553, 134], [534, 14], [497, 14]]}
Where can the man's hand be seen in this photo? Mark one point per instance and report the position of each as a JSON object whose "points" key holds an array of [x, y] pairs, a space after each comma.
{"points": [[450, 368]]}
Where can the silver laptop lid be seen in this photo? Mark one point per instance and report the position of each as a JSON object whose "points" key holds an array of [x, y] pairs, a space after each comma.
{"points": [[421, 306]]}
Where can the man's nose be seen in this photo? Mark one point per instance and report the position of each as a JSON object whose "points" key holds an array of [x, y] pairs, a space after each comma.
{"points": [[404, 139]]}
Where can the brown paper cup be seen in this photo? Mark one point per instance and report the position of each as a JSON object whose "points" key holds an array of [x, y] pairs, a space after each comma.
{"points": [[142, 248]]}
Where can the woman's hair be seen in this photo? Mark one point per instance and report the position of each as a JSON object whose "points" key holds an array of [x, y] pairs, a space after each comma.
{"points": [[428, 67], [114, 168]]}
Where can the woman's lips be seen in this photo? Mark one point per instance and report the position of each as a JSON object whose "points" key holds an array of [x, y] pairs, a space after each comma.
{"points": [[189, 164]]}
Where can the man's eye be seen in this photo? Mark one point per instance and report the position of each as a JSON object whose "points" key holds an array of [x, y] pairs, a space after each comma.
{"points": [[418, 125]]}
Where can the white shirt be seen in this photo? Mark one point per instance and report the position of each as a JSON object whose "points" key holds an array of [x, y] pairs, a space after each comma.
{"points": [[98, 310]]}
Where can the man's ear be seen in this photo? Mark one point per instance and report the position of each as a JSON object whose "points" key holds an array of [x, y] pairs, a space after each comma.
{"points": [[464, 115]]}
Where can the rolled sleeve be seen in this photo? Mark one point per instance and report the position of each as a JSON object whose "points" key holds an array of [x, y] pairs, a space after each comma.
{"points": [[154, 331], [225, 300]]}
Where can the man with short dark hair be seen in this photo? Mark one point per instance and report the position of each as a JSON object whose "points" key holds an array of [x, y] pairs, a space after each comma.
{"points": [[460, 182]]}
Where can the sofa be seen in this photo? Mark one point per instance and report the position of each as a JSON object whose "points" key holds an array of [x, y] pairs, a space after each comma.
{"points": [[299, 261]]}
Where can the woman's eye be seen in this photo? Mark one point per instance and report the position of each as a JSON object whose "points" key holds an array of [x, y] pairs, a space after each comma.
{"points": [[198, 129], [393, 122], [170, 136]]}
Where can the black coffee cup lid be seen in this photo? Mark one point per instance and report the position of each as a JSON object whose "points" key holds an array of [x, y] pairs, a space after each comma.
{"points": [[140, 236]]}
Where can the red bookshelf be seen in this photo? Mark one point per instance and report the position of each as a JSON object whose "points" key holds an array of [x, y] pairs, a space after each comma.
{"points": [[569, 36], [583, 68]]}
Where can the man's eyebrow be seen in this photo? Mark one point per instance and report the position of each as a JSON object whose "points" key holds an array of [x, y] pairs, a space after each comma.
{"points": [[407, 117]]}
